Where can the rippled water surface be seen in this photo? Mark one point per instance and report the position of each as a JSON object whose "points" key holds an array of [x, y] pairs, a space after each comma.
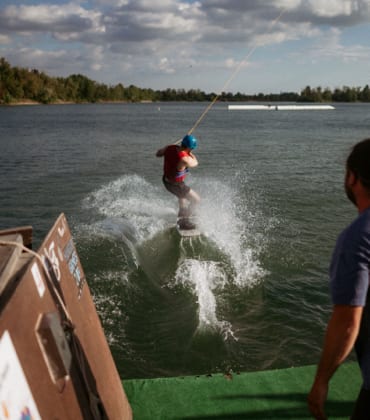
{"points": [[251, 292]]}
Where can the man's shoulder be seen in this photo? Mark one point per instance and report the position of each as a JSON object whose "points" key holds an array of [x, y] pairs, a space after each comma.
{"points": [[361, 225], [183, 153], [172, 148], [357, 233]]}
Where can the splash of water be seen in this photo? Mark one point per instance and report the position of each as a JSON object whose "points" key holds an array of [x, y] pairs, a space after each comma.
{"points": [[225, 217], [206, 278], [140, 211], [137, 201]]}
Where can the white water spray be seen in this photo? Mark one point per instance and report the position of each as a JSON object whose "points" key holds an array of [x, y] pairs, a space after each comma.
{"points": [[226, 219], [206, 278], [135, 209], [131, 198]]}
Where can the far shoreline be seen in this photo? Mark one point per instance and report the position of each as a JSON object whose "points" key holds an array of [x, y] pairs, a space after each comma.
{"points": [[33, 103], [26, 102]]}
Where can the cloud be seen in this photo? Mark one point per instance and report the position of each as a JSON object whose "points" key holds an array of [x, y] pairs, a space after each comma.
{"points": [[209, 21], [340, 13], [4, 39], [28, 57], [333, 48], [61, 20], [166, 66], [152, 20], [332, 8], [108, 39]]}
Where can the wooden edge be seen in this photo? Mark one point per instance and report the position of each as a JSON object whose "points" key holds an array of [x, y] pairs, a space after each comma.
{"points": [[25, 231]]}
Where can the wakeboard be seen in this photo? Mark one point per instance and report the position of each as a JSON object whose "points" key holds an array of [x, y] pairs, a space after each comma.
{"points": [[187, 227]]}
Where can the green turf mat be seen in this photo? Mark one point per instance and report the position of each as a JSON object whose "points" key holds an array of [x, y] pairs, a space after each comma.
{"points": [[275, 394]]}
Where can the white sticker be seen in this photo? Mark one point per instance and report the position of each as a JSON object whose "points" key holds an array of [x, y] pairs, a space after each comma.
{"points": [[62, 229], [40, 285], [53, 260], [16, 400]]}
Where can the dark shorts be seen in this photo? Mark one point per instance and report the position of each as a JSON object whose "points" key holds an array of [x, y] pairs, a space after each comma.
{"points": [[362, 407], [178, 188]]}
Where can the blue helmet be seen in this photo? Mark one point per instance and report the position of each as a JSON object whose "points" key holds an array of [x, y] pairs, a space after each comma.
{"points": [[189, 141]]}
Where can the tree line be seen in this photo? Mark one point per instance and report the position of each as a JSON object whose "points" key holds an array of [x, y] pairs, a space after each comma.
{"points": [[22, 84]]}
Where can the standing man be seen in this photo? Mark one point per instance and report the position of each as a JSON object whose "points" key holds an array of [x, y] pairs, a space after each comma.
{"points": [[177, 161], [349, 324]]}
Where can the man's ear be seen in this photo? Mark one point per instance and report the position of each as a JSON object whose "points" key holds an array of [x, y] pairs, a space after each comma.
{"points": [[351, 177]]}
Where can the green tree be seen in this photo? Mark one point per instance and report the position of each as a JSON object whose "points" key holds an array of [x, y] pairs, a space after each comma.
{"points": [[327, 95], [306, 94], [133, 93], [117, 93], [365, 94], [5, 75]]}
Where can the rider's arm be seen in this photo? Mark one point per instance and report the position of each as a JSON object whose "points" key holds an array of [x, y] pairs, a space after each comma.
{"points": [[161, 152], [190, 160]]}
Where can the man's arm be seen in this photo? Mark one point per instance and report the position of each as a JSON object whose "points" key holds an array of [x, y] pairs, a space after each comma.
{"points": [[190, 160], [341, 334], [161, 152]]}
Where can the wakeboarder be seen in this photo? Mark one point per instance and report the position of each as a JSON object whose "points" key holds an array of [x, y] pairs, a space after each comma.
{"points": [[177, 161]]}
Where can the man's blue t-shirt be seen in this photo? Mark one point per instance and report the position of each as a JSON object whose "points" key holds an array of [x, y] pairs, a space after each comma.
{"points": [[349, 281]]}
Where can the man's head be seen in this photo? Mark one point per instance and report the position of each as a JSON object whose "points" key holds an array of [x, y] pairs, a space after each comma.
{"points": [[189, 142], [358, 169]]}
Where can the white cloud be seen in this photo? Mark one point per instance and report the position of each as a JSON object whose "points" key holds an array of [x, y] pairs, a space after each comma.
{"points": [[59, 19], [334, 48], [165, 65], [38, 58], [4, 39], [150, 39], [330, 8]]}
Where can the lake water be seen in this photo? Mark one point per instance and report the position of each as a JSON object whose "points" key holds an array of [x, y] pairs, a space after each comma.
{"points": [[252, 292]]}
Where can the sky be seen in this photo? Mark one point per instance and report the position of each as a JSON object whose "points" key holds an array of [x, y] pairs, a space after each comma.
{"points": [[248, 46]]}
